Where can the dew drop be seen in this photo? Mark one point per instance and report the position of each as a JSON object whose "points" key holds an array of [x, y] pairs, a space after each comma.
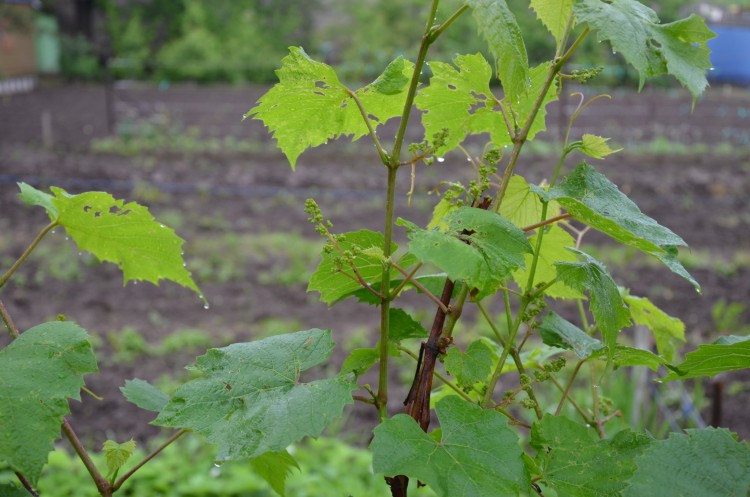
{"points": [[206, 306], [162, 226], [468, 159], [66, 238], [135, 282], [53, 232], [441, 159], [711, 68]]}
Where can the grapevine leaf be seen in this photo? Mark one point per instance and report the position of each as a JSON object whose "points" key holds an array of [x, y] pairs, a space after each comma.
{"points": [[554, 249], [144, 395], [309, 105], [576, 464], [125, 234], [250, 400], [678, 48], [521, 206], [471, 366], [11, 490], [452, 94], [275, 468], [32, 196], [712, 359], [596, 146], [523, 106], [359, 361], [554, 15], [708, 462], [402, 326], [41, 370], [666, 329], [594, 200], [116, 454], [606, 303], [332, 284], [477, 456], [442, 209], [630, 356], [730, 339], [479, 246], [558, 332], [499, 28]]}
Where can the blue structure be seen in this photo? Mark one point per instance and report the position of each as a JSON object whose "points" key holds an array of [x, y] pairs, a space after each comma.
{"points": [[730, 54]]}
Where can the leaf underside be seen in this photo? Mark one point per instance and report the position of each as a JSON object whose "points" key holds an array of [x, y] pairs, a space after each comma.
{"points": [[250, 400]]}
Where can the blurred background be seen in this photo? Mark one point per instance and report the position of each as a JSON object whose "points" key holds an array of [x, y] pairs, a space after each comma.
{"points": [[145, 98]]}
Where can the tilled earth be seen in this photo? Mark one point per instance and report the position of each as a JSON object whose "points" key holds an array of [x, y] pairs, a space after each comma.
{"points": [[217, 195]]}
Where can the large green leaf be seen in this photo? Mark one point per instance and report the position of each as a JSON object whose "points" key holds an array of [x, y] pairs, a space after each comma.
{"points": [[498, 26], [705, 463], [678, 48], [125, 234], [594, 200], [250, 399], [575, 463], [309, 105], [39, 371], [712, 359], [477, 456], [478, 246], [456, 98], [666, 329], [332, 284], [554, 15], [472, 366], [606, 303], [554, 249], [556, 331]]}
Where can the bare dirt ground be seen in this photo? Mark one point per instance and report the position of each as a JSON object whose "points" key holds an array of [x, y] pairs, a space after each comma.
{"points": [[229, 194]]}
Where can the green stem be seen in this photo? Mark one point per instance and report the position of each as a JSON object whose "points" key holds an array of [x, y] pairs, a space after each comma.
{"points": [[566, 391], [427, 39], [578, 408], [456, 310], [489, 322], [421, 287], [440, 29], [530, 392], [406, 281], [156, 452], [381, 151], [8, 321], [385, 301], [101, 482], [4, 279]]}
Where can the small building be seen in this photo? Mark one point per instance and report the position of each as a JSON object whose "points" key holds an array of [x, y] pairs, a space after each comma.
{"points": [[18, 67]]}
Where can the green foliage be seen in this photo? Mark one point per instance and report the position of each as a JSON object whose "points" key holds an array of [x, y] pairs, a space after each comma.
{"points": [[725, 354], [472, 366], [498, 26], [553, 14], [125, 234], [249, 400], [678, 48], [498, 240], [574, 463], [309, 106], [478, 247], [117, 454], [706, 462], [144, 395], [558, 332], [48, 363], [606, 304], [476, 455]]}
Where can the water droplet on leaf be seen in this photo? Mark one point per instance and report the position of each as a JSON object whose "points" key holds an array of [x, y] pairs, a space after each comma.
{"points": [[441, 159]]}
